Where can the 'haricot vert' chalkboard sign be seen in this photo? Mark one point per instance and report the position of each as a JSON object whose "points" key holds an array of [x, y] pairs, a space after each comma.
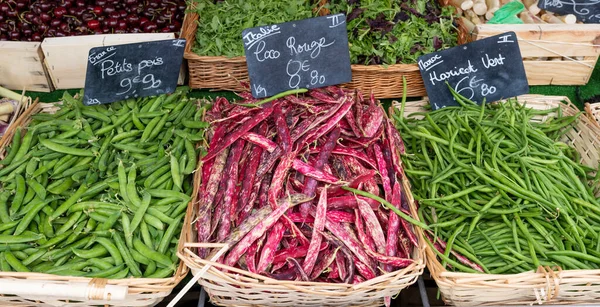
{"points": [[307, 53], [132, 70], [491, 68], [587, 11]]}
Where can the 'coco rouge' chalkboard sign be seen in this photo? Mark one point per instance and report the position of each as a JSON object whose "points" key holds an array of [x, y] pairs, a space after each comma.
{"points": [[491, 68], [307, 53], [588, 11], [132, 70]]}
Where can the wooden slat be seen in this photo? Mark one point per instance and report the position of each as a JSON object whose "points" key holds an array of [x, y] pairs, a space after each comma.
{"points": [[66, 57], [21, 67], [551, 40], [558, 72]]}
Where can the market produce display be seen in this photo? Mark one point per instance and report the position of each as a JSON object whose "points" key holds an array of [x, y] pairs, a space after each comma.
{"points": [[499, 192], [305, 187], [379, 32], [33, 20], [100, 191]]}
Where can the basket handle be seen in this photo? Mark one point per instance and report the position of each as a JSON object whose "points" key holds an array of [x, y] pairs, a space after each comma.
{"points": [[96, 289], [196, 277]]}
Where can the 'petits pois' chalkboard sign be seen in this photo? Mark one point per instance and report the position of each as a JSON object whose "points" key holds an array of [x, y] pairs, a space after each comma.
{"points": [[307, 53], [132, 70], [490, 68], [588, 11]]}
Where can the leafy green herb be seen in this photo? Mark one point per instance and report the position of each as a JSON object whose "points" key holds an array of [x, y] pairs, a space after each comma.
{"points": [[221, 24], [379, 31]]}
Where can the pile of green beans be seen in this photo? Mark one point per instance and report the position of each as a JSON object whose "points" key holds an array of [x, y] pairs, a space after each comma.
{"points": [[500, 193], [100, 191]]}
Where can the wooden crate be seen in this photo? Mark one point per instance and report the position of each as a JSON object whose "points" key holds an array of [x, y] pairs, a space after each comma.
{"points": [[21, 67], [66, 57], [551, 42]]}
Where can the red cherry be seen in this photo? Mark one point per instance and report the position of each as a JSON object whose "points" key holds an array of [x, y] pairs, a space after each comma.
{"points": [[133, 20], [45, 17], [59, 12], [93, 24], [36, 37], [112, 22], [98, 10], [55, 22]]}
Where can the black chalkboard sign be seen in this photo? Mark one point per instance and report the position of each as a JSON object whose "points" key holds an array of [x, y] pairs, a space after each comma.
{"points": [[132, 70], [491, 68], [307, 53], [587, 11]]}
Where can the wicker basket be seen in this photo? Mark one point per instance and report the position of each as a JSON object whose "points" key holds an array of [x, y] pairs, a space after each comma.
{"points": [[237, 287], [140, 291], [545, 286], [592, 110], [223, 73]]}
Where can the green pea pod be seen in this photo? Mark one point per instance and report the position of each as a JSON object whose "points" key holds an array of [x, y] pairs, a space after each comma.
{"points": [[31, 166], [141, 211], [111, 271], [44, 168], [150, 268], [31, 212], [4, 215], [131, 264], [15, 263], [195, 124], [34, 257], [161, 273], [59, 169], [39, 190], [149, 129], [95, 252], [18, 238], [155, 175], [112, 249], [190, 151], [175, 172], [54, 241], [25, 145], [152, 254], [67, 150], [169, 234], [73, 218], [110, 222], [136, 121], [14, 148], [60, 186], [20, 191], [101, 263], [139, 257], [126, 224], [16, 164], [96, 115]]}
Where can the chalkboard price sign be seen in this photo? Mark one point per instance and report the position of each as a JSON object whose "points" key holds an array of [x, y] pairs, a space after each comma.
{"points": [[307, 53], [132, 70], [588, 11], [490, 69]]}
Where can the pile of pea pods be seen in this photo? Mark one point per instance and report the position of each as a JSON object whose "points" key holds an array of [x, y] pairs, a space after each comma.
{"points": [[100, 191]]}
